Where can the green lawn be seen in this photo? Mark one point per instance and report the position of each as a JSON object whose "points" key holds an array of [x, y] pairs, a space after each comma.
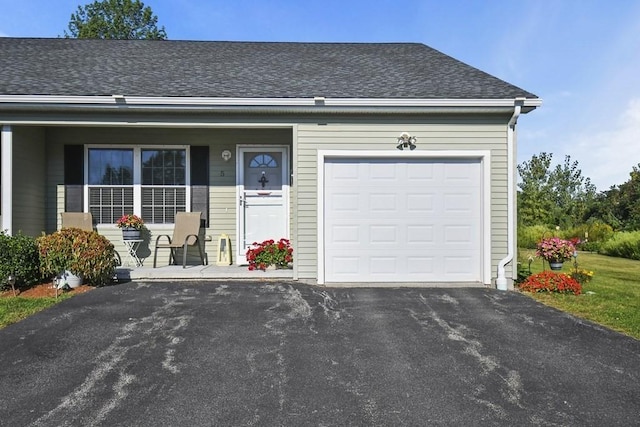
{"points": [[13, 310], [611, 299]]}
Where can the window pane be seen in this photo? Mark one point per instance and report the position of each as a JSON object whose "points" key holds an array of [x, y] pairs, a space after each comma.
{"points": [[163, 167], [108, 166], [107, 204], [160, 204]]}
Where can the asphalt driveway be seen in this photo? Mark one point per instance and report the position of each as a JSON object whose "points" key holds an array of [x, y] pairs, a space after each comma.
{"points": [[270, 354]]}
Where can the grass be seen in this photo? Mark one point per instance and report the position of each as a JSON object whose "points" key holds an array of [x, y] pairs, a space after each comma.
{"points": [[13, 310], [611, 299]]}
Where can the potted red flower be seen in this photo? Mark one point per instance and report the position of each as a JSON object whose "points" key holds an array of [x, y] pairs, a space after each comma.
{"points": [[270, 253]]}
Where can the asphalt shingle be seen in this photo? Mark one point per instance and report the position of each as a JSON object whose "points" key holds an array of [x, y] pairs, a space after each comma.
{"points": [[72, 67]]}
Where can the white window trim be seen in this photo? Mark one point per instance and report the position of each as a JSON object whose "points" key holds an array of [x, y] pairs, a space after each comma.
{"points": [[137, 172]]}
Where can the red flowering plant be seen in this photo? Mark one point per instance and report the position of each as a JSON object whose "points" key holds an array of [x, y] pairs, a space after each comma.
{"points": [[555, 249], [262, 255], [548, 281], [130, 221]]}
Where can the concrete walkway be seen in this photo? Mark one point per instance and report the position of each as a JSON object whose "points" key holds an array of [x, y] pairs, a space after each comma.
{"points": [[174, 272]]}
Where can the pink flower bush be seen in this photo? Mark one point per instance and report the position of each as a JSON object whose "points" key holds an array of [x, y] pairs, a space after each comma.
{"points": [[555, 249]]}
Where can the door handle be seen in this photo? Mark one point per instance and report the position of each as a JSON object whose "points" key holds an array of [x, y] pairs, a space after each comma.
{"points": [[240, 200]]}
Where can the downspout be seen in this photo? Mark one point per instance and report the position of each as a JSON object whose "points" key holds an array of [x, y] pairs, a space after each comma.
{"points": [[501, 280]]}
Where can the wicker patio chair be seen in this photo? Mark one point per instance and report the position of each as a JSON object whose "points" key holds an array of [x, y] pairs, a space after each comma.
{"points": [[81, 220], [185, 233]]}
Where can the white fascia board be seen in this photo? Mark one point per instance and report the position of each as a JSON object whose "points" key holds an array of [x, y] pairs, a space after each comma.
{"points": [[122, 100]]}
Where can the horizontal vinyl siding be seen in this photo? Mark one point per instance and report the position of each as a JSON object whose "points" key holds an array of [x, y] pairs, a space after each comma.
{"points": [[29, 176], [450, 134]]}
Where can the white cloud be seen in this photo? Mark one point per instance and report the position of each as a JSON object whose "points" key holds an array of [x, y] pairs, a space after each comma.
{"points": [[608, 156]]}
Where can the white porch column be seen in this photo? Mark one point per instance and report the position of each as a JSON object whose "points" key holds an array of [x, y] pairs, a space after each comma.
{"points": [[6, 179]]}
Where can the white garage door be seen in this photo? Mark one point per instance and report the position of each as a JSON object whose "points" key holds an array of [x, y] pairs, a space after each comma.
{"points": [[398, 220]]}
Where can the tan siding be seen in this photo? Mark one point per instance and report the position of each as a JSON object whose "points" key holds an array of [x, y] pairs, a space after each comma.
{"points": [[446, 133]]}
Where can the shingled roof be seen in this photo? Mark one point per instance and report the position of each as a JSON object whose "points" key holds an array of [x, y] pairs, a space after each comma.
{"points": [[72, 67]]}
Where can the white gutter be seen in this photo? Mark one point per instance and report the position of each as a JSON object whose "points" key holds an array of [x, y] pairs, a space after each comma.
{"points": [[501, 280], [123, 100]]}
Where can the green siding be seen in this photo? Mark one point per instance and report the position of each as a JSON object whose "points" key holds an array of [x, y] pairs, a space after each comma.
{"points": [[29, 177], [486, 133]]}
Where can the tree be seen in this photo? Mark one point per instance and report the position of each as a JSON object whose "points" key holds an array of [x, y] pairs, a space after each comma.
{"points": [[559, 196], [574, 194], [628, 206], [534, 201], [115, 19]]}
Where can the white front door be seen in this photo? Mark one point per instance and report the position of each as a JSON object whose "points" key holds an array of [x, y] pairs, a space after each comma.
{"points": [[263, 196]]}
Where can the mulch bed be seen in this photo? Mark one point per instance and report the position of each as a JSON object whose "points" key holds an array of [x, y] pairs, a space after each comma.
{"points": [[43, 290]]}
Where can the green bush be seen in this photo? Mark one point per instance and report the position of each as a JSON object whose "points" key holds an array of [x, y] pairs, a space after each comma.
{"points": [[624, 244], [529, 236], [592, 235], [18, 256], [84, 253]]}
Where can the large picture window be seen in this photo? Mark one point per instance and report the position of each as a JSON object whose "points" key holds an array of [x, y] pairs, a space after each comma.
{"points": [[151, 182]]}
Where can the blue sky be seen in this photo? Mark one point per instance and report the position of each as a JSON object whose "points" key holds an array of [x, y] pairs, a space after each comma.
{"points": [[581, 57]]}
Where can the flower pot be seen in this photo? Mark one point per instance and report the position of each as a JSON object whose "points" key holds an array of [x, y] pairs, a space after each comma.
{"points": [[555, 265], [69, 279], [129, 233]]}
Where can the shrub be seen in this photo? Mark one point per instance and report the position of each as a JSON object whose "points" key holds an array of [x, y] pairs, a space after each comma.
{"points": [[593, 235], [529, 236], [269, 252], [19, 256], [624, 244], [548, 281], [84, 253]]}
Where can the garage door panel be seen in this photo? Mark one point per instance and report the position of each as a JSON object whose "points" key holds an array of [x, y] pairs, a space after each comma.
{"points": [[423, 265], [420, 234], [459, 235], [385, 234], [347, 268], [346, 202], [458, 202], [381, 172], [383, 265], [403, 220], [387, 203], [342, 234]]}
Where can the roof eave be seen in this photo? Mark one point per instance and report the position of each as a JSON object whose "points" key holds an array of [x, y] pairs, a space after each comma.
{"points": [[195, 102]]}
